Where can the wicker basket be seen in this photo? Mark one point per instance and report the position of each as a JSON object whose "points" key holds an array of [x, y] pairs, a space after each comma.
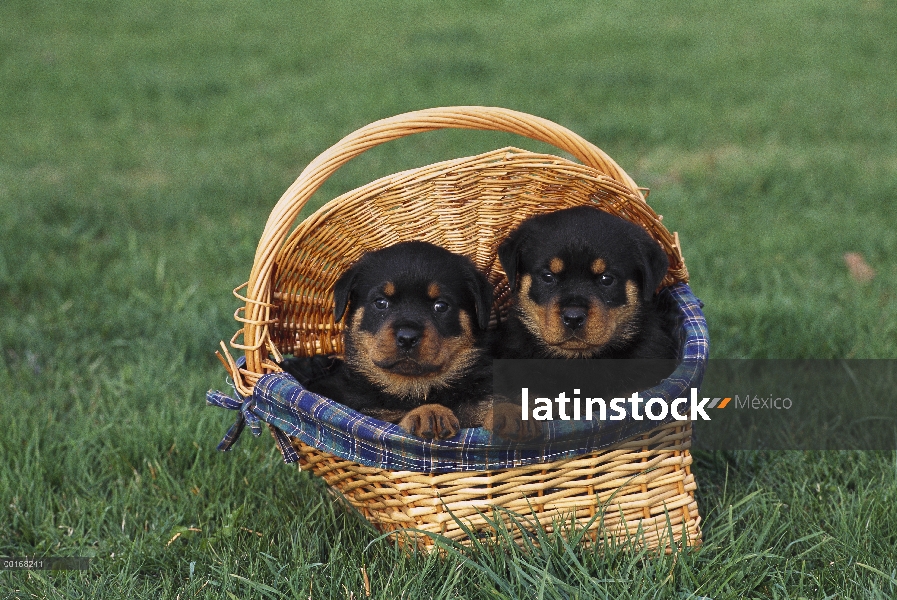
{"points": [[467, 205]]}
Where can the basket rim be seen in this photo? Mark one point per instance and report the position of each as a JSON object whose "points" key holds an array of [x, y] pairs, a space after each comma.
{"points": [[331, 427]]}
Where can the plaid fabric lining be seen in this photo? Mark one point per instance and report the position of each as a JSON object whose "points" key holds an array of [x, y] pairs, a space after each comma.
{"points": [[280, 401]]}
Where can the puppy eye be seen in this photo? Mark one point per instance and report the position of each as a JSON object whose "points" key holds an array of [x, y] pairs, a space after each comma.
{"points": [[548, 277], [440, 306], [606, 279], [381, 303]]}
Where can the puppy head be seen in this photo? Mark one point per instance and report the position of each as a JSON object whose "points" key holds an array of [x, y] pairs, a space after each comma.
{"points": [[581, 277], [416, 316]]}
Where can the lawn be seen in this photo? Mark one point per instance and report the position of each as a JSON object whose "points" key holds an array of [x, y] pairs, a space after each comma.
{"points": [[142, 146]]}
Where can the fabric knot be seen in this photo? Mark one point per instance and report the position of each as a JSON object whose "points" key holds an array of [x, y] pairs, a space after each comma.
{"points": [[252, 420], [246, 416]]}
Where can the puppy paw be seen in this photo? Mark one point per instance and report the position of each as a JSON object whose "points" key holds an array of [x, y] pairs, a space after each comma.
{"points": [[504, 420], [431, 421]]}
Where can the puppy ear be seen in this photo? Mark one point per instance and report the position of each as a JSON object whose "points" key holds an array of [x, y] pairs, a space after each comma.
{"points": [[342, 290], [654, 265], [508, 255], [482, 295]]}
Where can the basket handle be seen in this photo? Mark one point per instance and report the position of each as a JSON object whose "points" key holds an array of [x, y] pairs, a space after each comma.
{"points": [[321, 168]]}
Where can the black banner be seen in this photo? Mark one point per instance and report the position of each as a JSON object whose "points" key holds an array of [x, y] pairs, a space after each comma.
{"points": [[738, 404]]}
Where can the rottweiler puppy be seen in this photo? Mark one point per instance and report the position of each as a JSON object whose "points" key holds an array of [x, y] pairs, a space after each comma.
{"points": [[584, 283], [416, 347]]}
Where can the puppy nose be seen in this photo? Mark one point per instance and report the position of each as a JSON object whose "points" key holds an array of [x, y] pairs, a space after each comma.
{"points": [[573, 317], [407, 338]]}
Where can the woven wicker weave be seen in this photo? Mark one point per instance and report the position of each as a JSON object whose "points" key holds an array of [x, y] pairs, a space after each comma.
{"points": [[642, 489], [468, 206]]}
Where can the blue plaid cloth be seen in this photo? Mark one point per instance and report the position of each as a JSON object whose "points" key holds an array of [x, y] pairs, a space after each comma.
{"points": [[281, 402]]}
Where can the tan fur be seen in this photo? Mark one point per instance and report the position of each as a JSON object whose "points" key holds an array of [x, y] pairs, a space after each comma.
{"points": [[603, 324], [556, 265], [389, 289], [598, 266], [433, 291], [448, 357], [390, 415], [534, 316], [503, 417], [431, 421], [624, 318]]}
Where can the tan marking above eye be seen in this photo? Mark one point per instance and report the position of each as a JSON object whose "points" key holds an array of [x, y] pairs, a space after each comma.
{"points": [[598, 266], [389, 288], [433, 291], [631, 294], [556, 265]]}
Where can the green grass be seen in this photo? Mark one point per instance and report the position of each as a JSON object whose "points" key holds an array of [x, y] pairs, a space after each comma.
{"points": [[142, 146]]}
